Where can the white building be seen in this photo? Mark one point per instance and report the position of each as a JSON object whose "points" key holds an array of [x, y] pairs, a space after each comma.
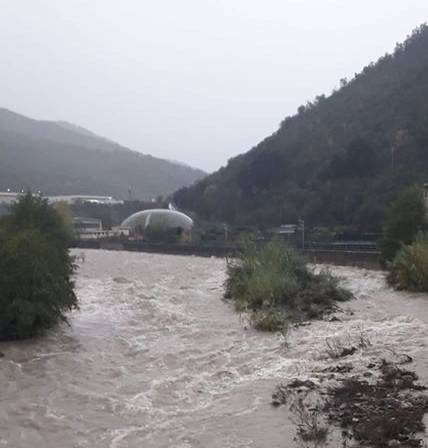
{"points": [[86, 225], [84, 198], [92, 229], [8, 198]]}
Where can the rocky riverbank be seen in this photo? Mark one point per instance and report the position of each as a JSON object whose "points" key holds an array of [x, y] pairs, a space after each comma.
{"points": [[383, 408]]}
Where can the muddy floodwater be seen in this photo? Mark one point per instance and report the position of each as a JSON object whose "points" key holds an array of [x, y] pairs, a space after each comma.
{"points": [[155, 358]]}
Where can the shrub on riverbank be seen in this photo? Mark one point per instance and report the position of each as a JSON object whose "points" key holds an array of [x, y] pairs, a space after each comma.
{"points": [[36, 287], [405, 217], [274, 283], [409, 269]]}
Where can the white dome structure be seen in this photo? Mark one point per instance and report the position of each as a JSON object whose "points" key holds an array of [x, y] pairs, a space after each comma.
{"points": [[164, 219]]}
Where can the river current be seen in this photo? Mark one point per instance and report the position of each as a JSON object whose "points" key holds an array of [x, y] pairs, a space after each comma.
{"points": [[155, 358]]}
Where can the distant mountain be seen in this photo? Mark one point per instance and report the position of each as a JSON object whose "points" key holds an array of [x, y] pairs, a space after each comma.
{"points": [[79, 129], [63, 158], [339, 160]]}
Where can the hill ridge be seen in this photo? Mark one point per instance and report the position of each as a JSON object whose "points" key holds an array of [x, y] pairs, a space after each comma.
{"points": [[339, 160], [59, 158]]}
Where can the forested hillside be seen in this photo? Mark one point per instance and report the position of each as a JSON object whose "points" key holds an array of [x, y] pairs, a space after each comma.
{"points": [[339, 160], [61, 158]]}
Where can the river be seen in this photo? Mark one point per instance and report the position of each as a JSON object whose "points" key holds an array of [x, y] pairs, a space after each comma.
{"points": [[155, 358]]}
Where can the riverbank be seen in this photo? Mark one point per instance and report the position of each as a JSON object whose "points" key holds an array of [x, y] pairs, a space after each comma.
{"points": [[156, 358], [358, 258]]}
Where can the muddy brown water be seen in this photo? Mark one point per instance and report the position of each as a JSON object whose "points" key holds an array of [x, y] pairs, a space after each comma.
{"points": [[155, 358]]}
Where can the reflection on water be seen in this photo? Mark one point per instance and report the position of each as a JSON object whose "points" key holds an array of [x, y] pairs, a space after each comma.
{"points": [[154, 358]]}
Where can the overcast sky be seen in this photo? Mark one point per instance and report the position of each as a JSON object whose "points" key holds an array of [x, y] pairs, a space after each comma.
{"points": [[192, 80]]}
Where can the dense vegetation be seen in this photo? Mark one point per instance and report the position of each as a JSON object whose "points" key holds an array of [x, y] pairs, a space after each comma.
{"points": [[59, 158], [404, 249], [404, 218], [36, 286], [275, 285], [409, 269], [339, 160]]}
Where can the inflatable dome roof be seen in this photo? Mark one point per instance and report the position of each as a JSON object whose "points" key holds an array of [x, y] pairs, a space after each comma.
{"points": [[158, 218]]}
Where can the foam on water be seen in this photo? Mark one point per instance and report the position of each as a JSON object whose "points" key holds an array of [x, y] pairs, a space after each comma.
{"points": [[155, 358]]}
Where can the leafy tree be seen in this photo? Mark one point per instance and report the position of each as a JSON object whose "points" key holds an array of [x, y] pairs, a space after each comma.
{"points": [[409, 270], [36, 286], [405, 217], [359, 160], [34, 212], [64, 211]]}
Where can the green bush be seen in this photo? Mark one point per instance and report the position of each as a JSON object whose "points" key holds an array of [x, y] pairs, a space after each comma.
{"points": [[274, 283], [405, 217], [409, 270], [388, 248], [36, 286]]}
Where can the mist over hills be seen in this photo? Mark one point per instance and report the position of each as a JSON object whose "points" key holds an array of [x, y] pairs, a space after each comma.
{"points": [[339, 160], [63, 158]]}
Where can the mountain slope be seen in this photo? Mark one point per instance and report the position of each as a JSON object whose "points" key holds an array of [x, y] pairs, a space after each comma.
{"points": [[61, 158], [339, 160]]}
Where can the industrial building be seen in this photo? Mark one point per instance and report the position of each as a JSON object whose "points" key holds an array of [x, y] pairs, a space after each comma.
{"points": [[92, 229], [83, 198], [8, 198]]}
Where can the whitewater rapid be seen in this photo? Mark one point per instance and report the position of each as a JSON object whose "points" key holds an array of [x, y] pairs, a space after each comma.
{"points": [[155, 358]]}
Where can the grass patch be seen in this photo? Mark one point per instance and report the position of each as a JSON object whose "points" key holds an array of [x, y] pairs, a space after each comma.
{"points": [[274, 283], [311, 429], [270, 320]]}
